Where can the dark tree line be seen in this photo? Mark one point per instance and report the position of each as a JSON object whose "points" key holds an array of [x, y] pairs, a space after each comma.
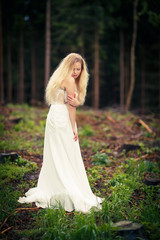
{"points": [[119, 40]]}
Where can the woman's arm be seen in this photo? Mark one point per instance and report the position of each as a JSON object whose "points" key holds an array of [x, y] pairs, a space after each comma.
{"points": [[73, 101], [70, 87]]}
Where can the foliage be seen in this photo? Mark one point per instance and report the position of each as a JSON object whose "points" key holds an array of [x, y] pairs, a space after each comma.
{"points": [[15, 170], [119, 205], [84, 143], [32, 124], [1, 129], [73, 26], [8, 200], [116, 175], [86, 131], [101, 158], [11, 173]]}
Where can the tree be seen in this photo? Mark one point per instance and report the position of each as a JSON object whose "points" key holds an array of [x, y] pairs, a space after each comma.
{"points": [[98, 10], [21, 68], [159, 77], [143, 79], [1, 58], [127, 67], [48, 42], [36, 30], [132, 60], [91, 28], [96, 70], [9, 93], [33, 66], [121, 72]]}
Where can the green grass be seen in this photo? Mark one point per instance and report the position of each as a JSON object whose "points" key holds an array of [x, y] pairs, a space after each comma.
{"points": [[8, 201], [26, 135], [55, 224], [126, 195], [101, 159], [86, 131], [119, 205], [1, 129], [12, 173]]}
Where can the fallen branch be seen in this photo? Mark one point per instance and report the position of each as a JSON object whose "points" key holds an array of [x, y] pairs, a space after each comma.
{"points": [[102, 151], [137, 135], [110, 118], [6, 230], [7, 219], [18, 210], [146, 155], [124, 215], [137, 197], [145, 125]]}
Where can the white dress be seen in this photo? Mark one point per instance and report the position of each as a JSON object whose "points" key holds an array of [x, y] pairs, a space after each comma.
{"points": [[62, 179]]}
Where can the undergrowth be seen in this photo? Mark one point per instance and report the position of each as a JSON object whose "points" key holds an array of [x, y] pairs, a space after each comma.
{"points": [[125, 193], [12, 173], [118, 205]]}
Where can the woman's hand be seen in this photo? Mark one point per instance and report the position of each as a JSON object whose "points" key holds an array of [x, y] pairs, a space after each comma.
{"points": [[73, 101], [75, 135]]}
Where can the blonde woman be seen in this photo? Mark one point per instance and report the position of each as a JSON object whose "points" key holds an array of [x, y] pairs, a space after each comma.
{"points": [[63, 179]]}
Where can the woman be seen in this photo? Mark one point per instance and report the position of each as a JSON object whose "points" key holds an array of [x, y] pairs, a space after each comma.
{"points": [[63, 179]]}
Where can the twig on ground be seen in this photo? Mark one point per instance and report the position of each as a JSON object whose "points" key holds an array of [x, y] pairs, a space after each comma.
{"points": [[17, 210], [20, 209], [7, 219], [110, 118], [145, 125], [6, 230], [124, 215], [146, 155], [137, 135]]}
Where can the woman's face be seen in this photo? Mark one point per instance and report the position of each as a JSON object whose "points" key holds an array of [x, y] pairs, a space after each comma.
{"points": [[77, 68]]}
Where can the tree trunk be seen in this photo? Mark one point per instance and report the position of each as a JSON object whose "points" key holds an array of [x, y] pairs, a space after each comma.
{"points": [[9, 68], [132, 61], [143, 77], [33, 62], [127, 69], [1, 59], [48, 43], [82, 51], [121, 72], [159, 78], [96, 70], [21, 70]]}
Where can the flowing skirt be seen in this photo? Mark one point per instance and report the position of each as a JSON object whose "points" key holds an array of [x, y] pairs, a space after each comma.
{"points": [[62, 179]]}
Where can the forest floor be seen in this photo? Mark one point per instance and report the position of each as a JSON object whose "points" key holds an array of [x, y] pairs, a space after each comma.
{"points": [[121, 154]]}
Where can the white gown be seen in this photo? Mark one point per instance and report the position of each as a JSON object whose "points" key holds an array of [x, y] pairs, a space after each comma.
{"points": [[62, 179]]}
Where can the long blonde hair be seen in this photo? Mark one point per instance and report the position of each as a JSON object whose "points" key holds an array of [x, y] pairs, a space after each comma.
{"points": [[63, 71]]}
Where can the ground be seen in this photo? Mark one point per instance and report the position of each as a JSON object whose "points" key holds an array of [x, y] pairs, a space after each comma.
{"points": [[121, 154]]}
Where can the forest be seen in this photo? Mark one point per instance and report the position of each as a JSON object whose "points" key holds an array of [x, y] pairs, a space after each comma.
{"points": [[119, 40], [118, 126]]}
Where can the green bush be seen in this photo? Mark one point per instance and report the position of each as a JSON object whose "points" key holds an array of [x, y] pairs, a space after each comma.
{"points": [[84, 143], [86, 131], [101, 159], [1, 129]]}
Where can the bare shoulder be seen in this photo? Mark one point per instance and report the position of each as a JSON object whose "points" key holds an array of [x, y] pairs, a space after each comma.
{"points": [[70, 85], [70, 80]]}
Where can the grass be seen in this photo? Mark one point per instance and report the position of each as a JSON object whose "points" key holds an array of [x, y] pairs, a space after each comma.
{"points": [[101, 159], [30, 128], [117, 177], [86, 131], [119, 205], [12, 173]]}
